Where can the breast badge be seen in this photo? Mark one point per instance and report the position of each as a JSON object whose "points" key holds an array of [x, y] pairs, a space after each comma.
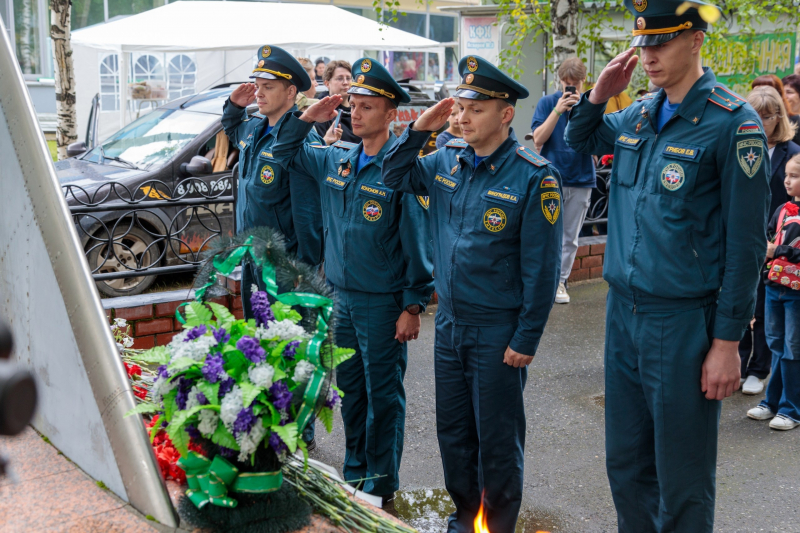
{"points": [[551, 206], [750, 152], [372, 210], [494, 219], [267, 175], [673, 177], [424, 201]]}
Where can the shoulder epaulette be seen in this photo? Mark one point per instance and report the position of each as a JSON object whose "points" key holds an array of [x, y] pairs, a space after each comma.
{"points": [[421, 155], [648, 96], [317, 144], [725, 98], [456, 143], [344, 144], [257, 115], [532, 157]]}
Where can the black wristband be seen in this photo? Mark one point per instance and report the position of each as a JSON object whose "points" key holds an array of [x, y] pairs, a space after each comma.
{"points": [[413, 309]]}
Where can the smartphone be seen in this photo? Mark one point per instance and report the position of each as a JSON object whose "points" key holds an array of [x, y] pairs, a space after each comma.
{"points": [[338, 118], [571, 89]]}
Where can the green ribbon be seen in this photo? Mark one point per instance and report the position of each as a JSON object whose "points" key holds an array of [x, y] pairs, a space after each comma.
{"points": [[209, 481]]}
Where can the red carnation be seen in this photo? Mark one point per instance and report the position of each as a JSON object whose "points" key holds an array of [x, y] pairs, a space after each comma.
{"points": [[607, 160], [791, 209], [139, 392]]}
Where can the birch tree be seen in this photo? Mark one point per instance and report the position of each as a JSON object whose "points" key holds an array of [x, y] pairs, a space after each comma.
{"points": [[66, 132]]}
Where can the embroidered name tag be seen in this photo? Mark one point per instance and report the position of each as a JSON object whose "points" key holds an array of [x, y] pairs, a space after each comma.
{"points": [[681, 150], [265, 154], [242, 144], [505, 196], [336, 183], [447, 183], [627, 140], [377, 192]]}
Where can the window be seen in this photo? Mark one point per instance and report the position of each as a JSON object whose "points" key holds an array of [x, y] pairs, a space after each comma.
{"points": [[147, 67], [109, 83], [182, 75], [28, 36]]}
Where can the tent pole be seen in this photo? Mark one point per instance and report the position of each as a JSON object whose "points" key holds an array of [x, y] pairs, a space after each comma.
{"points": [[124, 58]]}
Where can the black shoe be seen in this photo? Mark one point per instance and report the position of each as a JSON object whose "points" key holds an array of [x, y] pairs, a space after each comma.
{"points": [[311, 446], [387, 504]]}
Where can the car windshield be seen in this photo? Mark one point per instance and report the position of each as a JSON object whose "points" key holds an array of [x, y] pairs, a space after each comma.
{"points": [[153, 139]]}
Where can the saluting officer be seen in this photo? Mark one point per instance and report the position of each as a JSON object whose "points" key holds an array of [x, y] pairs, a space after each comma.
{"points": [[378, 259], [686, 238], [266, 193], [495, 212]]}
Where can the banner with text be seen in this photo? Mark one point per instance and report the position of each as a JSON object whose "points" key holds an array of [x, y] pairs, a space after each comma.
{"points": [[480, 36], [774, 55]]}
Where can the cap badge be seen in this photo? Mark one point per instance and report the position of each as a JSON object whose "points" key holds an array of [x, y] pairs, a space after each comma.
{"points": [[261, 64], [366, 65], [472, 64], [469, 78], [360, 78], [640, 23], [640, 5], [266, 51]]}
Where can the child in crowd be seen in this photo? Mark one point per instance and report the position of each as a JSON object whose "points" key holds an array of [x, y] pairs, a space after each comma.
{"points": [[782, 402]]}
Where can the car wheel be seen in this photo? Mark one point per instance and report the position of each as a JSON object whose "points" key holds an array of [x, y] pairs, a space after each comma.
{"points": [[130, 248]]}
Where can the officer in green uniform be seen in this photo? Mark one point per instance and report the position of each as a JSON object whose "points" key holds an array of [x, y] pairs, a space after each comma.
{"points": [[686, 239], [266, 194], [378, 259], [495, 212]]}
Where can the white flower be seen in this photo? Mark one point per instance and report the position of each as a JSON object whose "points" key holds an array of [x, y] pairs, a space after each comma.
{"points": [[232, 403], [162, 386], [128, 342], [120, 322], [248, 442], [253, 288], [196, 349], [284, 330], [192, 400], [261, 375], [303, 371], [208, 422]]}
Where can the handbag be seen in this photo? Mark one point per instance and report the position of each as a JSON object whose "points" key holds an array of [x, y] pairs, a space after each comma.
{"points": [[782, 271]]}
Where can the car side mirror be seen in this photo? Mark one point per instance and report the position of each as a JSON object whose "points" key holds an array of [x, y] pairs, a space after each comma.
{"points": [[76, 148], [198, 166]]}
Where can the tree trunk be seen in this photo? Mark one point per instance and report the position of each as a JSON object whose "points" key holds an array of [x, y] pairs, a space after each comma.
{"points": [[564, 14], [64, 73]]}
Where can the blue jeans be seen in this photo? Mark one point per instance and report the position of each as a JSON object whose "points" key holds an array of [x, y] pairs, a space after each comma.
{"points": [[783, 336]]}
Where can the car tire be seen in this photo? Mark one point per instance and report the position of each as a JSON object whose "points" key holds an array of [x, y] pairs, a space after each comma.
{"points": [[129, 249]]}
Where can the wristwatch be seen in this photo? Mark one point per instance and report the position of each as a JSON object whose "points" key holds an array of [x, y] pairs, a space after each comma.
{"points": [[413, 309]]}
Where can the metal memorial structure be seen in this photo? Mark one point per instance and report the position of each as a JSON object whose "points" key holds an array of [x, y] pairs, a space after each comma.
{"points": [[61, 331]]}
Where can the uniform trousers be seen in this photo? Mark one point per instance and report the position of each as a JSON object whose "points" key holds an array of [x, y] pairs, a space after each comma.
{"points": [[374, 403], [783, 335], [661, 431], [480, 423]]}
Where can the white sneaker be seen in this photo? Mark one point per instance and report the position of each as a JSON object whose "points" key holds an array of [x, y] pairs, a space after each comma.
{"points": [[760, 412], [561, 294], [783, 423], [752, 385]]}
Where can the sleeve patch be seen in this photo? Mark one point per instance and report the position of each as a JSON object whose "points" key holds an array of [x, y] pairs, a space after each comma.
{"points": [[532, 157], [750, 154], [344, 144], [551, 206], [457, 143], [748, 128], [549, 182]]}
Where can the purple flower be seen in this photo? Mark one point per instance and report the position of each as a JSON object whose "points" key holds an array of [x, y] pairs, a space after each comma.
{"points": [[251, 349], [276, 443], [221, 336], [227, 453], [226, 386], [184, 386], [290, 349], [212, 369], [201, 399], [262, 312], [244, 421], [164, 423], [281, 397], [195, 332], [192, 432], [162, 372], [333, 399]]}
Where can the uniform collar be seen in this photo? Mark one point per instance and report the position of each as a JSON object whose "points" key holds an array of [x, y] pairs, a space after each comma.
{"points": [[274, 132], [495, 160], [351, 157], [694, 103]]}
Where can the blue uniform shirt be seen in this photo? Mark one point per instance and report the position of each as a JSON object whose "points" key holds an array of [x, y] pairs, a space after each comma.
{"points": [[687, 206], [376, 240], [665, 113], [265, 189], [496, 229], [577, 170]]}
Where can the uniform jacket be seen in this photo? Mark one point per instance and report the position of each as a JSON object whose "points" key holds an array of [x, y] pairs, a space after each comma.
{"points": [[496, 230], [376, 240], [265, 189], [688, 206]]}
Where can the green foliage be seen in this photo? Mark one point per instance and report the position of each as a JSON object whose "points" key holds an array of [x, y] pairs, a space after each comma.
{"points": [[333, 357], [179, 439], [142, 408], [196, 314], [209, 390], [222, 437], [288, 435], [224, 317], [158, 355], [101, 485], [284, 312], [181, 364], [325, 416], [249, 392]]}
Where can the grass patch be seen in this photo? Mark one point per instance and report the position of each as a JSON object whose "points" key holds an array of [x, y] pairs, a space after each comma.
{"points": [[101, 485], [53, 150]]}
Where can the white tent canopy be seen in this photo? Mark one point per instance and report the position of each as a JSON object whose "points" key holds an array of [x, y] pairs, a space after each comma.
{"points": [[189, 26]]}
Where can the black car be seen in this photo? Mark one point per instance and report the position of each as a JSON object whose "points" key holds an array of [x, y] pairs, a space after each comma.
{"points": [[148, 172]]}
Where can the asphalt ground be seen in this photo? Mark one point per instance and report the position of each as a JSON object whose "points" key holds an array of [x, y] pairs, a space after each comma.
{"points": [[566, 489]]}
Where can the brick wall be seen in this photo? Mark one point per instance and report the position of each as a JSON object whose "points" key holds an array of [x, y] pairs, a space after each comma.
{"points": [[152, 317], [589, 259]]}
